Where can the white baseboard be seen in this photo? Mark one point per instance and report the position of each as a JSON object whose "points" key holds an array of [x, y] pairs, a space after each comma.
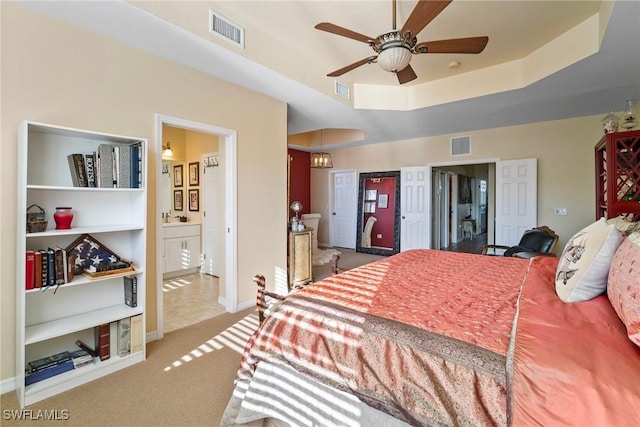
{"points": [[246, 304], [7, 385], [152, 336]]}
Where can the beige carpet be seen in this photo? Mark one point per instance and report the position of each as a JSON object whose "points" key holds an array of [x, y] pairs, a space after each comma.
{"points": [[186, 380], [348, 259]]}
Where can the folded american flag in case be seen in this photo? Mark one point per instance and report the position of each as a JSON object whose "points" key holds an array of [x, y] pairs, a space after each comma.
{"points": [[92, 255]]}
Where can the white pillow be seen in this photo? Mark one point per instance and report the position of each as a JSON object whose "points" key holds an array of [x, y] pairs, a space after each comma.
{"points": [[584, 264]]}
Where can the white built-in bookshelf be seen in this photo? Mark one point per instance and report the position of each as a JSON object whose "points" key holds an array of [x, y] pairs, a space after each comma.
{"points": [[52, 320]]}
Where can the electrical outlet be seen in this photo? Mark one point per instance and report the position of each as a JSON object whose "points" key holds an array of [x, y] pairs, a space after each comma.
{"points": [[560, 211], [379, 236]]}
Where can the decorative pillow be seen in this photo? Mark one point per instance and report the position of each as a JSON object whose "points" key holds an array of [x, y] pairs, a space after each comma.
{"points": [[625, 225], [584, 264], [624, 285]]}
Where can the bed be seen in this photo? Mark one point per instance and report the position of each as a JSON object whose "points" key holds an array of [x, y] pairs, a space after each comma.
{"points": [[440, 339]]}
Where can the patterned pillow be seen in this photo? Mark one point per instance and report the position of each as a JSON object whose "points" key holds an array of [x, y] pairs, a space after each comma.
{"points": [[625, 225], [584, 264], [624, 285]]}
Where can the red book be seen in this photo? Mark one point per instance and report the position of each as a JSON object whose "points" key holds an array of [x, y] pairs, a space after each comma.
{"points": [[103, 341], [29, 271], [37, 270]]}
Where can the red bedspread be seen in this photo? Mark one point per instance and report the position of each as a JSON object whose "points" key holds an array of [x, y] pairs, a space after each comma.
{"points": [[573, 363], [423, 335]]}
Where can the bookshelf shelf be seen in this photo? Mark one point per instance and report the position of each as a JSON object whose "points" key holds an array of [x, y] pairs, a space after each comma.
{"points": [[51, 159], [43, 389], [83, 280], [67, 325], [97, 229]]}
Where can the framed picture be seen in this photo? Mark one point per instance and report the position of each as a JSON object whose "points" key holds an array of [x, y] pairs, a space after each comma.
{"points": [[177, 176], [370, 207], [194, 173], [177, 200], [370, 194], [194, 199], [383, 201]]}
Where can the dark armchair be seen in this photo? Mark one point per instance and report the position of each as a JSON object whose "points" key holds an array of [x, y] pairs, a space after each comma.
{"points": [[537, 241]]}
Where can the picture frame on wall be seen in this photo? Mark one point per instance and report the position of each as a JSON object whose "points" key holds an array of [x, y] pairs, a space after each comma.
{"points": [[370, 194], [177, 176], [177, 200], [194, 200], [383, 201], [194, 173]]}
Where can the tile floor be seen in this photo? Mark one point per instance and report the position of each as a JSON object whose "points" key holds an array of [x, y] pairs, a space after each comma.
{"points": [[190, 299]]}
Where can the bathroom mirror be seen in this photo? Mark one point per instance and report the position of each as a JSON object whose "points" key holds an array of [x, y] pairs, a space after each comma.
{"points": [[379, 213]]}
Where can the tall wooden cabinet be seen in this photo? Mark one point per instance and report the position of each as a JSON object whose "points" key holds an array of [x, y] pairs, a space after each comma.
{"points": [[49, 322], [300, 260], [617, 157]]}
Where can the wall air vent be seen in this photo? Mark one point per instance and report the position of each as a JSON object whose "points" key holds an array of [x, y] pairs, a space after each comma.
{"points": [[461, 146], [222, 27], [342, 90]]}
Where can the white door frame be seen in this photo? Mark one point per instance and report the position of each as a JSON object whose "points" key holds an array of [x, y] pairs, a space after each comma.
{"points": [[231, 206], [430, 167]]}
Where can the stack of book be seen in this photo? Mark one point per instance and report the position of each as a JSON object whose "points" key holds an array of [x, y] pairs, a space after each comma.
{"points": [[47, 367], [110, 166]]}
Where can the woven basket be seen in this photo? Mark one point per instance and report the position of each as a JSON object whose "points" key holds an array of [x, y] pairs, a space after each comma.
{"points": [[36, 221]]}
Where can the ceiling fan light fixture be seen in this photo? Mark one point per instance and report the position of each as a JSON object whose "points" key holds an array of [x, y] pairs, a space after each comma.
{"points": [[394, 58]]}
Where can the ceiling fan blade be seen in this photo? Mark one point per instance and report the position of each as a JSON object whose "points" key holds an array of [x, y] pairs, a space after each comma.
{"points": [[406, 75], [463, 45], [424, 12], [344, 32], [350, 67]]}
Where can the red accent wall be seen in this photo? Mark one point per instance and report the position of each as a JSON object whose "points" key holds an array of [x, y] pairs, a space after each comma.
{"points": [[385, 223], [300, 180]]}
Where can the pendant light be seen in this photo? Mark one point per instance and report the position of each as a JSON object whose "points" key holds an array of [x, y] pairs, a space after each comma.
{"points": [[321, 160]]}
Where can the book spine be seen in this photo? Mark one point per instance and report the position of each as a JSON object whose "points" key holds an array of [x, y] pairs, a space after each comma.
{"points": [[105, 172], [37, 269], [116, 165], [136, 333], [77, 169], [49, 361], [124, 336], [103, 341], [124, 166], [59, 266], [89, 163], [45, 264], [113, 334], [135, 157], [51, 268], [29, 270], [131, 291]]}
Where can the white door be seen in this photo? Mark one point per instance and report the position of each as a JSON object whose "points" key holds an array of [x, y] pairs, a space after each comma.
{"points": [[344, 209], [516, 199], [414, 213], [211, 205]]}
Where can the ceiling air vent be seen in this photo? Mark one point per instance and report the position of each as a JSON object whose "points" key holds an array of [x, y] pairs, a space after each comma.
{"points": [[342, 90], [222, 27], [460, 145]]}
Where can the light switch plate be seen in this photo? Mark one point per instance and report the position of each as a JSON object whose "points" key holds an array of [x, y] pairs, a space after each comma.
{"points": [[560, 211]]}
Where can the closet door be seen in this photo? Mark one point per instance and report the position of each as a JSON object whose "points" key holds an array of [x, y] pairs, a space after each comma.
{"points": [[516, 199], [414, 210]]}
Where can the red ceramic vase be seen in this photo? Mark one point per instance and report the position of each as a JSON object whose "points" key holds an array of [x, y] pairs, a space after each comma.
{"points": [[63, 217]]}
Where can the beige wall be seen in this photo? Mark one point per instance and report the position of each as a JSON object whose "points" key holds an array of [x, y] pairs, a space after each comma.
{"points": [[59, 74], [564, 150]]}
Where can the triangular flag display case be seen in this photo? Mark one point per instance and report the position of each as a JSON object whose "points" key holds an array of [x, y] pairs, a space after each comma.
{"points": [[109, 214]]}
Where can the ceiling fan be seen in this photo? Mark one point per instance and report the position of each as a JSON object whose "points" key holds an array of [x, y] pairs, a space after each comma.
{"points": [[394, 48]]}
